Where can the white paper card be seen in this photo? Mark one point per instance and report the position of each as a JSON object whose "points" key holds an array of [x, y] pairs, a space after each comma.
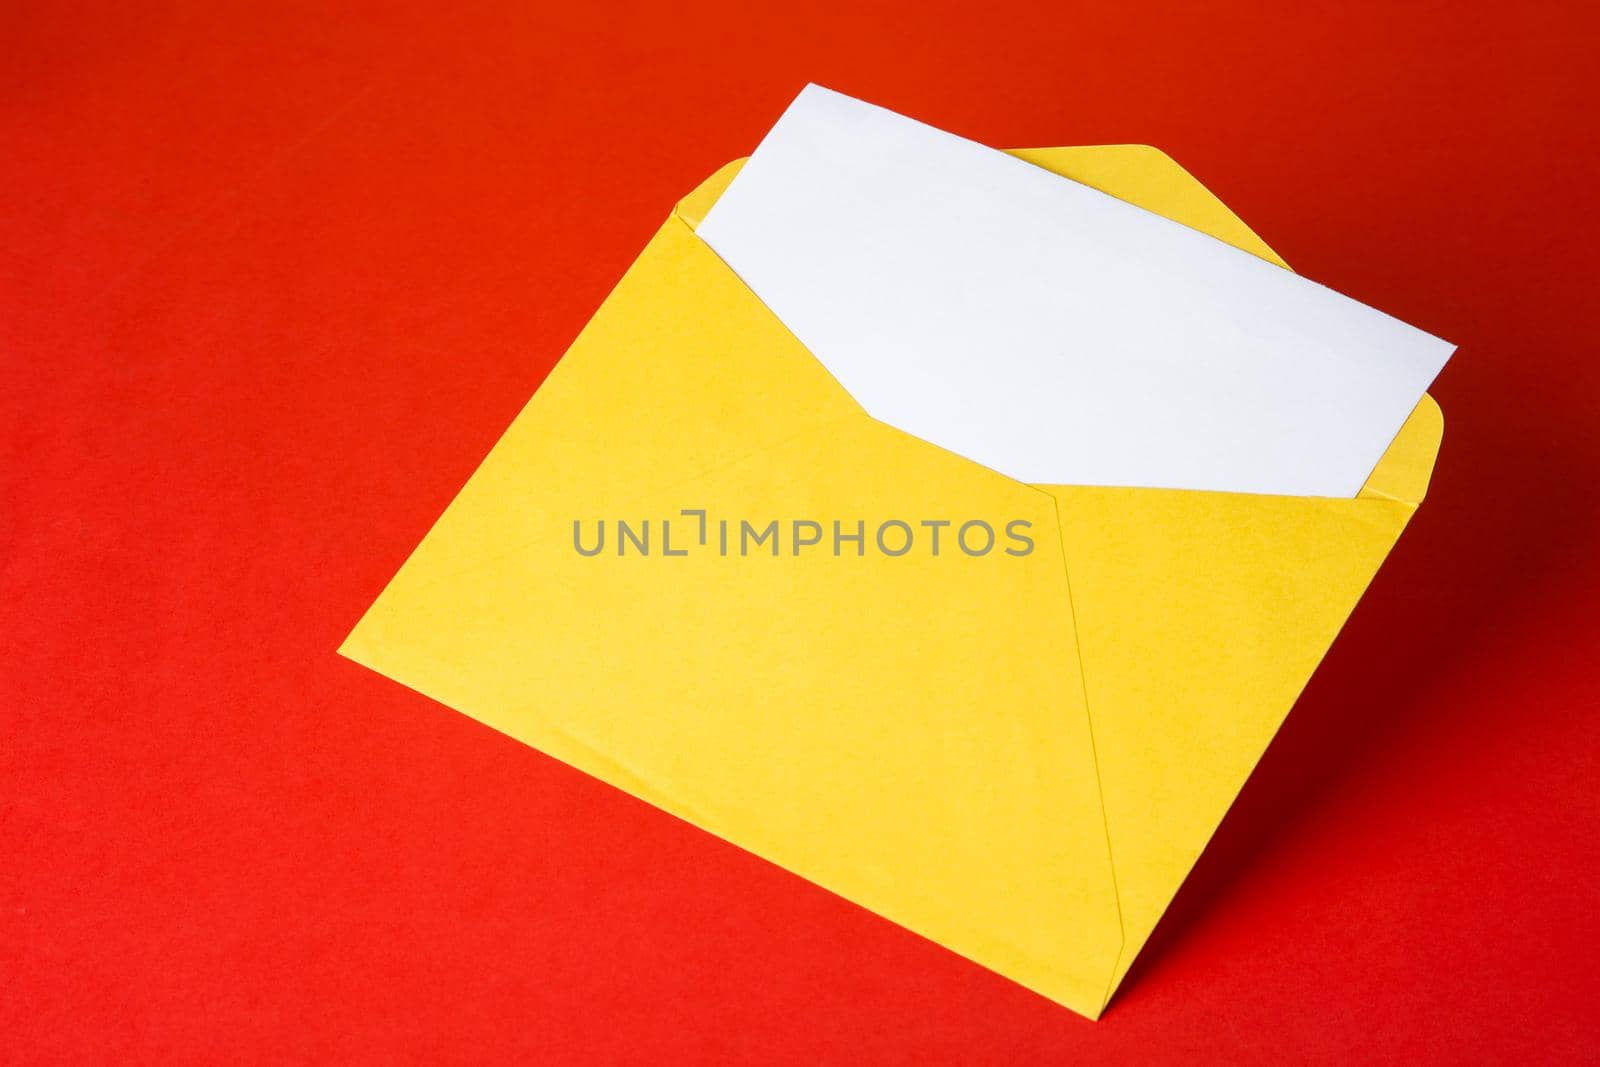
{"points": [[1052, 332]]}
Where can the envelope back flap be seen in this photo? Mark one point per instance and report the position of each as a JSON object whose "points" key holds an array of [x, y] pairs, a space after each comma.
{"points": [[1404, 471], [1139, 174]]}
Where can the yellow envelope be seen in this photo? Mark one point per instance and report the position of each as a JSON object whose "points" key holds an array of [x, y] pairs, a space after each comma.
{"points": [[1018, 756]]}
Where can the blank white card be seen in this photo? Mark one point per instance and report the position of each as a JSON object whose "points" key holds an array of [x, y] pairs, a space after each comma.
{"points": [[1052, 332]]}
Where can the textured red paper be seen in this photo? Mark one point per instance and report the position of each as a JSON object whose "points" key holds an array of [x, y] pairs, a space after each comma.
{"points": [[270, 286]]}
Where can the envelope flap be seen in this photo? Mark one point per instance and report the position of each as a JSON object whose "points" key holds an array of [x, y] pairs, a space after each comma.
{"points": [[1407, 466], [1139, 174], [692, 208]]}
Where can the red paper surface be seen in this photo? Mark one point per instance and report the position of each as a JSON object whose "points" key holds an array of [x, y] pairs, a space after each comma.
{"points": [[271, 284]]}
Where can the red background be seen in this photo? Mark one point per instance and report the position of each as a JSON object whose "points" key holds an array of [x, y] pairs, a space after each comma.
{"points": [[272, 285]]}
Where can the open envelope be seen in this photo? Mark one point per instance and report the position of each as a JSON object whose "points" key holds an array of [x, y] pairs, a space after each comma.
{"points": [[1018, 756]]}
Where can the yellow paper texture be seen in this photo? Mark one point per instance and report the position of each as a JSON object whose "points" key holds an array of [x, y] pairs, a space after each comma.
{"points": [[1019, 757]]}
